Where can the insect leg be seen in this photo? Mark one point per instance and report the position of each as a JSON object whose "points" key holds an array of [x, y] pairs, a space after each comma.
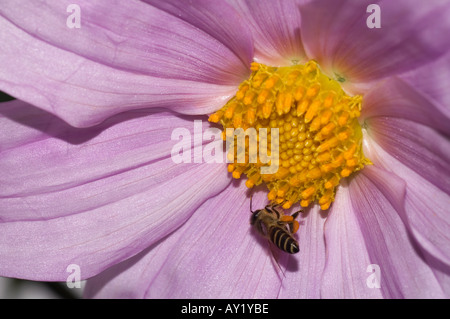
{"points": [[294, 215], [295, 225], [286, 218]]}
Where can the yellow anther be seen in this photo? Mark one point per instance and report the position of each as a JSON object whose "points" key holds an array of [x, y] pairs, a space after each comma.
{"points": [[352, 162], [241, 93], [326, 168], [311, 67], [313, 90], [323, 157], [314, 173], [258, 80], [304, 203], [308, 192], [287, 205], [272, 195], [325, 116], [332, 182], [315, 125], [270, 83], [346, 172], [282, 191], [337, 162], [290, 79], [262, 96], [326, 205], [230, 111], [214, 118], [342, 120], [344, 135], [251, 116], [319, 137], [328, 101], [327, 129], [287, 102], [302, 107], [249, 96], [281, 173], [294, 181], [312, 110], [330, 143], [267, 110], [299, 92], [237, 120], [325, 199], [302, 175], [280, 103], [349, 153], [254, 66]]}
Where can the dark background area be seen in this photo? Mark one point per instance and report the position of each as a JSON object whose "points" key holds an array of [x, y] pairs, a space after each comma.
{"points": [[5, 97]]}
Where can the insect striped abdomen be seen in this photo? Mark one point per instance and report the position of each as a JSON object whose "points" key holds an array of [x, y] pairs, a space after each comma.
{"points": [[283, 240]]}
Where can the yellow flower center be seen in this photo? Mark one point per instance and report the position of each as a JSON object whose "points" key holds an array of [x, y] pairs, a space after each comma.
{"points": [[319, 136]]}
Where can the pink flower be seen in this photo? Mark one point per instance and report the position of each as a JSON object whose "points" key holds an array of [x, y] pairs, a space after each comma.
{"points": [[87, 177]]}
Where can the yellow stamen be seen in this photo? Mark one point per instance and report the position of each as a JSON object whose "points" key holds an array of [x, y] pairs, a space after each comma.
{"points": [[254, 66], [319, 137], [262, 96], [304, 203], [287, 205], [249, 183], [312, 110], [308, 192], [214, 118], [302, 107]]}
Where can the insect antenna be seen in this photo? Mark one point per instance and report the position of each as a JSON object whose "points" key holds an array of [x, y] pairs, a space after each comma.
{"points": [[251, 199]]}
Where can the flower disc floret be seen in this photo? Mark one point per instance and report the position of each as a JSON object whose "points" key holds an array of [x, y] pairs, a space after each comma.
{"points": [[320, 138]]}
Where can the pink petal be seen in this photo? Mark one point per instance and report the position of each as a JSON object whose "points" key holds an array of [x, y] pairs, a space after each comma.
{"points": [[218, 20], [432, 81], [422, 149], [275, 26], [407, 134], [345, 274], [426, 205], [304, 276], [377, 197], [412, 33], [215, 254], [92, 197], [140, 38], [396, 98], [441, 272], [123, 57], [220, 257]]}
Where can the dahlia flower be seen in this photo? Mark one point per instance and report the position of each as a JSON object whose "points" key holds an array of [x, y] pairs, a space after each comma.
{"points": [[88, 179]]}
